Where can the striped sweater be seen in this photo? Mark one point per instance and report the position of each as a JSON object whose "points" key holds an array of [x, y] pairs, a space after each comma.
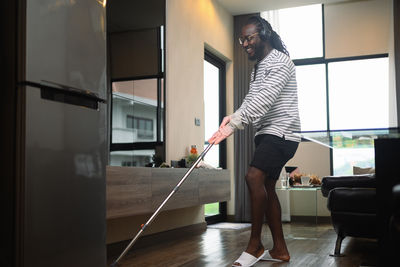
{"points": [[271, 104]]}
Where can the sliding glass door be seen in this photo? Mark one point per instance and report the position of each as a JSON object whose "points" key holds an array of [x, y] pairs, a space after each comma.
{"points": [[214, 111]]}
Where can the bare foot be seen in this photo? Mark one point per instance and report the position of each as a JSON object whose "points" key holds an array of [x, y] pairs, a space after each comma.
{"points": [[280, 255]]}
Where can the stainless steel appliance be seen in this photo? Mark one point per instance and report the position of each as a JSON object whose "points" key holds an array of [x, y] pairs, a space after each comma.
{"points": [[64, 133]]}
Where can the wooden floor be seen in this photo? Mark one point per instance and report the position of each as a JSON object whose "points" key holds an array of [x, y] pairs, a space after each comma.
{"points": [[309, 245]]}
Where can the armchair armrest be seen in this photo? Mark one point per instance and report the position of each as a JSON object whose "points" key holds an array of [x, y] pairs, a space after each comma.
{"points": [[396, 198], [359, 200], [395, 219], [352, 181]]}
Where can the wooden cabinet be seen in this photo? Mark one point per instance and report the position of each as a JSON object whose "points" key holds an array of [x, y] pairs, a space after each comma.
{"points": [[139, 190]]}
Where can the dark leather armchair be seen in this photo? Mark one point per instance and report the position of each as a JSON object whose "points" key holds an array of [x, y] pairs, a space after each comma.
{"points": [[353, 206], [395, 218]]}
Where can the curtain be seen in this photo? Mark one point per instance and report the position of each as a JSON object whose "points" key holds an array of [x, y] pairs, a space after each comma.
{"points": [[243, 139]]}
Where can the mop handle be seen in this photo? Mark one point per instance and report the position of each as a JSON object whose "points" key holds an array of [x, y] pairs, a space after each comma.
{"points": [[143, 226]]}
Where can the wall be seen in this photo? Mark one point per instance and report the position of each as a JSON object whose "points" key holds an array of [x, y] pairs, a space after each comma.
{"points": [[358, 28], [126, 228], [192, 25], [312, 158]]}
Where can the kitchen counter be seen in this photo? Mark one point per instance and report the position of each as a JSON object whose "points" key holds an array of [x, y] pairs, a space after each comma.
{"points": [[140, 190]]}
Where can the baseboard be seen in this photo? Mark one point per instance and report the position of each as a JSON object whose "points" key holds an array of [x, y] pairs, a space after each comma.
{"points": [[115, 249], [308, 219], [230, 218], [311, 219]]}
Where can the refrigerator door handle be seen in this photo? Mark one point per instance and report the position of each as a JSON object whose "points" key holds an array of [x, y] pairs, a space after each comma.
{"points": [[66, 94]]}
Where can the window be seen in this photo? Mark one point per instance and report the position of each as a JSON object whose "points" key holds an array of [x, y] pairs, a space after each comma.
{"points": [[128, 163], [214, 106], [351, 151], [358, 94], [130, 158], [311, 86], [357, 84], [143, 126], [214, 111], [351, 92], [211, 108], [300, 28], [137, 116]]}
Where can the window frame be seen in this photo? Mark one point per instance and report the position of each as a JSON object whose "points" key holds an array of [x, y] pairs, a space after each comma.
{"points": [[221, 65], [326, 61], [209, 57], [161, 86]]}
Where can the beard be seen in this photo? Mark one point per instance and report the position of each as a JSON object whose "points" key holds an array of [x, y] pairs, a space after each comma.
{"points": [[258, 52]]}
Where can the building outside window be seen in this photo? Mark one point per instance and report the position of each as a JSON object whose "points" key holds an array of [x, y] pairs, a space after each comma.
{"points": [[143, 126], [134, 119]]}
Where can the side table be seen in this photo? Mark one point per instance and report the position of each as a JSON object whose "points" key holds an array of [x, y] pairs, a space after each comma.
{"points": [[300, 198]]}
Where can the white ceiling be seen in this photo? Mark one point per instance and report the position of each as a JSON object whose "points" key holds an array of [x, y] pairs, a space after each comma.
{"points": [[124, 15], [240, 7]]}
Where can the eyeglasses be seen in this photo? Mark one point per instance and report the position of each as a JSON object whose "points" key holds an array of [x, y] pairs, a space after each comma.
{"points": [[247, 38]]}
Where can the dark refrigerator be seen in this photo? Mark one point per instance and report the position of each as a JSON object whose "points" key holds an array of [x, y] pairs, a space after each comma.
{"points": [[63, 133]]}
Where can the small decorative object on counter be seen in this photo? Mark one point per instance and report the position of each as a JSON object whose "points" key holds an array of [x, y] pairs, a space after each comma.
{"points": [[303, 179], [284, 180], [164, 165], [192, 156], [182, 163], [193, 149], [157, 160], [174, 164], [315, 180]]}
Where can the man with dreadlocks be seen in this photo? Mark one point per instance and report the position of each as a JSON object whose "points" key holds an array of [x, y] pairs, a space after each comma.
{"points": [[271, 106]]}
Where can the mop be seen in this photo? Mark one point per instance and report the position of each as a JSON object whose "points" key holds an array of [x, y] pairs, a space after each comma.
{"points": [[144, 226]]}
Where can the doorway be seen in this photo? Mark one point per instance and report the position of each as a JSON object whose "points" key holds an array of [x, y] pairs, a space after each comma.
{"points": [[214, 103]]}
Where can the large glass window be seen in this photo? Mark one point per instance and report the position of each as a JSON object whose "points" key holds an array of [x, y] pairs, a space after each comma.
{"points": [[214, 111], [131, 158], [300, 28], [136, 52], [358, 99], [137, 121], [336, 93], [358, 94], [134, 111], [349, 152], [211, 109], [311, 85]]}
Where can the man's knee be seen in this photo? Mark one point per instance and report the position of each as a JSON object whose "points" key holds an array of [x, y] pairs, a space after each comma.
{"points": [[255, 176]]}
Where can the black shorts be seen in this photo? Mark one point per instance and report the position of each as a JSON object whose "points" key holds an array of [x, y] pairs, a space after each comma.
{"points": [[272, 153]]}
